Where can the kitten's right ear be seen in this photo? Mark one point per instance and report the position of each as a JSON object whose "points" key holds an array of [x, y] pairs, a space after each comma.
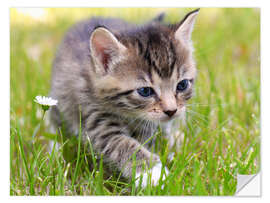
{"points": [[105, 49], [184, 31]]}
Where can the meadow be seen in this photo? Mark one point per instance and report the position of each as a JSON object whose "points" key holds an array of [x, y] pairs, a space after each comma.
{"points": [[222, 134]]}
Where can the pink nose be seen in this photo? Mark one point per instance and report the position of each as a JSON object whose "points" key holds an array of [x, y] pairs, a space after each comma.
{"points": [[170, 113]]}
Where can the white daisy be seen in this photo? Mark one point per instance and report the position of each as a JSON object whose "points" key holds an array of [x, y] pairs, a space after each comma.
{"points": [[45, 102]]}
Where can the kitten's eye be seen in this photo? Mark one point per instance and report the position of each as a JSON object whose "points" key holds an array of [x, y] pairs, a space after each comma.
{"points": [[182, 85], [146, 91]]}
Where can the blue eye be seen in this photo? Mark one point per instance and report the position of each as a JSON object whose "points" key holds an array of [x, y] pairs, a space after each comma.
{"points": [[146, 91], [182, 85]]}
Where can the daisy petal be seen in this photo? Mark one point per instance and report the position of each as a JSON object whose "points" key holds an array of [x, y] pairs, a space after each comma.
{"points": [[45, 101]]}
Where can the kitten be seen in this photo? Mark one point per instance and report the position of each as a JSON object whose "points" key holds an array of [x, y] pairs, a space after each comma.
{"points": [[124, 79]]}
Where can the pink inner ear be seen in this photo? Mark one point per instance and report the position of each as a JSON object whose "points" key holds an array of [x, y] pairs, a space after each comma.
{"points": [[102, 53], [105, 48], [105, 60]]}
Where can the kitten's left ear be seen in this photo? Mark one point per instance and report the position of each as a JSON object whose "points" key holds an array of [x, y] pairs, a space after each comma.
{"points": [[159, 18], [105, 50], [184, 31]]}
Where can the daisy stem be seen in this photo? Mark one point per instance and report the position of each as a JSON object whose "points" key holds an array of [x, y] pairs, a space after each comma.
{"points": [[43, 115], [38, 126]]}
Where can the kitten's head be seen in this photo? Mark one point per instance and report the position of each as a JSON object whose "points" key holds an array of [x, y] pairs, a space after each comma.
{"points": [[146, 72]]}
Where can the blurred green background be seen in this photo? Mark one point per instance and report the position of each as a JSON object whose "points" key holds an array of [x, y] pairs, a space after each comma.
{"points": [[224, 113]]}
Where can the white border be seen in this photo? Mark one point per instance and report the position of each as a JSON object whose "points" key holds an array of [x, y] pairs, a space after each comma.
{"points": [[137, 3], [4, 85]]}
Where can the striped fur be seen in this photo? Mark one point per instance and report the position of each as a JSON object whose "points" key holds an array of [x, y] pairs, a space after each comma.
{"points": [[99, 67]]}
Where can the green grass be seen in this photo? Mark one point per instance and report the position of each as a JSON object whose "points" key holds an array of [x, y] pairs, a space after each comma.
{"points": [[222, 136]]}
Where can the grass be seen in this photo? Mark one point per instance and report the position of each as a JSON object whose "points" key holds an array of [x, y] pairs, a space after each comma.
{"points": [[222, 135]]}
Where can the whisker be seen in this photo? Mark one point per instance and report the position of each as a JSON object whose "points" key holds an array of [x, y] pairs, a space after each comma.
{"points": [[205, 105], [198, 115]]}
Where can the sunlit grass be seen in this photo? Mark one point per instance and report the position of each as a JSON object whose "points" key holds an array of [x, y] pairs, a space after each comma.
{"points": [[222, 136]]}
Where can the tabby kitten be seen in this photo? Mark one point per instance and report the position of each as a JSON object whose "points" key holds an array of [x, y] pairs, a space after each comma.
{"points": [[125, 80]]}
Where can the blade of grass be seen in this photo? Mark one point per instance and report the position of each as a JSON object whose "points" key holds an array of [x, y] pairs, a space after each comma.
{"points": [[74, 177], [22, 153]]}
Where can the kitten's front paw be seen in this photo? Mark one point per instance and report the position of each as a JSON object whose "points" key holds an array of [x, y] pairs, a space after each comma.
{"points": [[154, 173]]}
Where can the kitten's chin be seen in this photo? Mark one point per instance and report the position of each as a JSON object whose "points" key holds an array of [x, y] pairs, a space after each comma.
{"points": [[169, 119]]}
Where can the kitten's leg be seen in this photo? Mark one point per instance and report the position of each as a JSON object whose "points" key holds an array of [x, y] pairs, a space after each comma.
{"points": [[155, 172], [113, 141]]}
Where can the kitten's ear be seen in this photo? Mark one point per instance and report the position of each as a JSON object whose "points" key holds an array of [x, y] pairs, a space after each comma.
{"points": [[184, 31], [159, 18], [105, 49]]}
